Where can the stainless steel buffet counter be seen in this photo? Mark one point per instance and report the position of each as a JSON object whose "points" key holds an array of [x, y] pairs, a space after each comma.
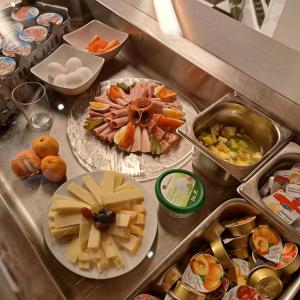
{"points": [[148, 54]]}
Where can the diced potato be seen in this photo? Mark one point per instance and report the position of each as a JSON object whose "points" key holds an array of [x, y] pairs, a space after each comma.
{"points": [[223, 148]]}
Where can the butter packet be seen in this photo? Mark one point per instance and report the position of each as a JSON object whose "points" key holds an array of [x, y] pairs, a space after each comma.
{"points": [[279, 183], [283, 205]]}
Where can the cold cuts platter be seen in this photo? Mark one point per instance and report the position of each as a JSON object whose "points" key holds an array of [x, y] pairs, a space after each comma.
{"points": [[129, 125]]}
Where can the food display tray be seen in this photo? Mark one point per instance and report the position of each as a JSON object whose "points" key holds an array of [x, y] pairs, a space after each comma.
{"points": [[250, 189], [231, 209], [93, 154], [24, 63]]}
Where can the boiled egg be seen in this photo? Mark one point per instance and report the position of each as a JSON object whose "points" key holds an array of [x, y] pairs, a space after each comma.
{"points": [[98, 106], [54, 69], [73, 80], [120, 135], [73, 63], [85, 73], [60, 80], [173, 113]]}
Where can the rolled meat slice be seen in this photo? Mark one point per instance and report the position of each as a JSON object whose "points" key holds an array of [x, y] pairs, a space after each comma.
{"points": [[117, 123], [145, 141], [158, 133], [99, 129], [104, 134], [110, 137], [164, 145], [119, 113], [137, 143], [108, 120], [121, 102], [151, 125], [95, 114]]}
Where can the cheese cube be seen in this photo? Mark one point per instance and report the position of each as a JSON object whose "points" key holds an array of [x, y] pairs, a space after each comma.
{"points": [[69, 206], [93, 188], [65, 220], [108, 246], [132, 244], [84, 232], [108, 182], [140, 220], [132, 214], [125, 187], [122, 197], [84, 256], [140, 208], [103, 263], [73, 250], [120, 232], [94, 238], [84, 265], [57, 233], [136, 230], [81, 193], [122, 220], [118, 179]]}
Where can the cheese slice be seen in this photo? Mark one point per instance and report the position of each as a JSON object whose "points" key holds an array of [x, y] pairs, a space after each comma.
{"points": [[73, 250], [122, 220], [84, 256], [94, 238], [132, 244], [93, 188], [65, 220], [118, 179], [108, 246], [108, 182], [58, 233], [56, 198], [140, 219], [95, 253], [81, 193], [132, 214], [69, 206], [124, 206], [119, 231], [51, 223], [140, 208], [84, 232], [122, 197], [51, 214], [117, 259], [102, 264], [137, 230], [125, 187]]}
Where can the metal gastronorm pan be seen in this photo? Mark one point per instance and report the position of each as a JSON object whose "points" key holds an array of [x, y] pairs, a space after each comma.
{"points": [[250, 189], [230, 209]]}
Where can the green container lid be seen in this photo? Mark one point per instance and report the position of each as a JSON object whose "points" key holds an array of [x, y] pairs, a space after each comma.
{"points": [[180, 191]]}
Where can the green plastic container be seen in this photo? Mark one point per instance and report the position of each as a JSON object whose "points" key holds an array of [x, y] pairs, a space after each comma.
{"points": [[180, 192]]}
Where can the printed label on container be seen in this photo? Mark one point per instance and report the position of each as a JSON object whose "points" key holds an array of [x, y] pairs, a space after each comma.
{"points": [[179, 189], [243, 266], [279, 183], [288, 254], [293, 190], [243, 292], [287, 208]]}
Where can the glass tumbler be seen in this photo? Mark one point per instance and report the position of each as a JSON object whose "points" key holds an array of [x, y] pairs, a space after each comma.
{"points": [[31, 98]]}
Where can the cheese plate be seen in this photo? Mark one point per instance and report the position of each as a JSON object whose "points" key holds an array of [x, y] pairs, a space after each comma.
{"points": [[69, 222]]}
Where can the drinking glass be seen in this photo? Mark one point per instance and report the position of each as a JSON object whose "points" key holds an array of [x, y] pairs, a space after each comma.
{"points": [[31, 98]]}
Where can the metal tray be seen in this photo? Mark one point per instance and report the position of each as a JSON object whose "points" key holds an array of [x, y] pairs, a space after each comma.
{"points": [[250, 189], [241, 112], [230, 209]]}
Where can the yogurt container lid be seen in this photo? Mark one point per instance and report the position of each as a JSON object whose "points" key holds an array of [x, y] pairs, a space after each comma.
{"points": [[16, 47], [33, 34], [46, 18], [8, 27], [24, 13], [180, 191], [7, 66]]}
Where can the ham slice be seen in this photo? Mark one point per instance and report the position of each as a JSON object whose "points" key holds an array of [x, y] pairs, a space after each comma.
{"points": [[104, 134], [158, 133], [105, 99], [145, 141], [119, 113], [108, 120], [138, 91], [95, 114], [151, 125], [99, 129], [121, 102], [110, 137], [172, 138], [164, 146], [137, 143], [117, 123]]}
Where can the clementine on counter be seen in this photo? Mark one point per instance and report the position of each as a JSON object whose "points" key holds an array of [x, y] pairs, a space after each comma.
{"points": [[54, 168], [25, 164], [45, 145]]}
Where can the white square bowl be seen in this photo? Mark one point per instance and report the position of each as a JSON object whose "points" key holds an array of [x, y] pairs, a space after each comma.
{"points": [[61, 55], [82, 36]]}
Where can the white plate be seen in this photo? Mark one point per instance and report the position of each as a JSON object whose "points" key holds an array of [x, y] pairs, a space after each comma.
{"points": [[82, 36], [58, 246], [61, 55]]}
